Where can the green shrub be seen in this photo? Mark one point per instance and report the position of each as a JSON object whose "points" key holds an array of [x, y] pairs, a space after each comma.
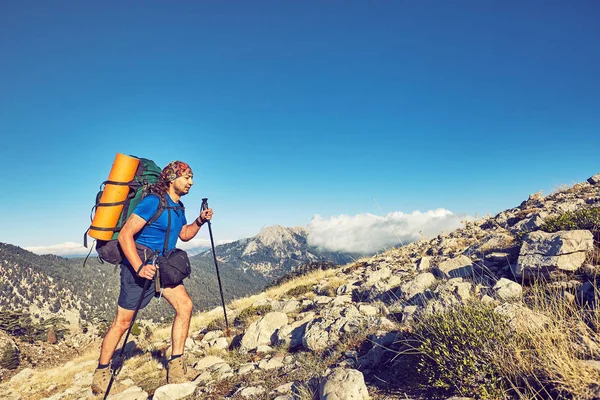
{"points": [[298, 290], [135, 329], [587, 218], [216, 324], [247, 313], [458, 350]]}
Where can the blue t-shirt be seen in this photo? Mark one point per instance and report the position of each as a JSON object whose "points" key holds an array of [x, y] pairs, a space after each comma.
{"points": [[153, 236]]}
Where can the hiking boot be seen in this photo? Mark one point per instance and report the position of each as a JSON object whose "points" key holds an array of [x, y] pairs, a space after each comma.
{"points": [[101, 380], [177, 371]]}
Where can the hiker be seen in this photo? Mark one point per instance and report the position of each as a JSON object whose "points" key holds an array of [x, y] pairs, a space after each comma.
{"points": [[175, 181]]}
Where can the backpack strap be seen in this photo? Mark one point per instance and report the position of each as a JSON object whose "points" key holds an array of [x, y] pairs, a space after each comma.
{"points": [[162, 205]]}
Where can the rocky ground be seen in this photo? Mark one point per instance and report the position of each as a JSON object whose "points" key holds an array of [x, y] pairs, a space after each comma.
{"points": [[340, 337]]}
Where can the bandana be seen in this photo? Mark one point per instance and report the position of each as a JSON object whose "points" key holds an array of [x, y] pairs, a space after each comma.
{"points": [[174, 170]]}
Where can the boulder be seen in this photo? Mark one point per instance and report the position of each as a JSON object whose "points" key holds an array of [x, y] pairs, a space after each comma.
{"points": [[343, 384], [458, 267], [542, 253], [261, 331], [174, 391], [505, 289], [594, 180], [417, 285], [521, 318]]}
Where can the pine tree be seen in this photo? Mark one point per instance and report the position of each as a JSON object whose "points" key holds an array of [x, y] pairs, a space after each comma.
{"points": [[9, 358]]}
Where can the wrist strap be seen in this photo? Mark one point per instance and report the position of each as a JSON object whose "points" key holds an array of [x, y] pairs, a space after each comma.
{"points": [[139, 270], [199, 223]]}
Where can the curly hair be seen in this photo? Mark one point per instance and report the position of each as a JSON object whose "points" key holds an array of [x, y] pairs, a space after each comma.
{"points": [[160, 188], [172, 171]]}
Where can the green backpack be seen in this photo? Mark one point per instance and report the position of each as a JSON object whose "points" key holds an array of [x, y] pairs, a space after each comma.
{"points": [[146, 175]]}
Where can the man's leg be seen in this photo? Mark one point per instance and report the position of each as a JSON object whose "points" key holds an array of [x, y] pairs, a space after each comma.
{"points": [[177, 371], [182, 303], [118, 327], [103, 374]]}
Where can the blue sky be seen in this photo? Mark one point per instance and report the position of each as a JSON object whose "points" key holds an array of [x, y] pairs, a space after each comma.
{"points": [[289, 110]]}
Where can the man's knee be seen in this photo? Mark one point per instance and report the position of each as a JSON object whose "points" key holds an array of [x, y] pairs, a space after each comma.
{"points": [[185, 306], [121, 323]]}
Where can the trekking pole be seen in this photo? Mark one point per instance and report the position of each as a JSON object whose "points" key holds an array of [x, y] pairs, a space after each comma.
{"points": [[212, 242], [137, 308]]}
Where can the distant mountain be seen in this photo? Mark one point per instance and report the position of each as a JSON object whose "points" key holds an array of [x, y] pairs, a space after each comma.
{"points": [[275, 251], [48, 285]]}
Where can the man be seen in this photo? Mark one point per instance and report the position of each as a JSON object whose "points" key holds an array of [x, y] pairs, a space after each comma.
{"points": [[175, 181]]}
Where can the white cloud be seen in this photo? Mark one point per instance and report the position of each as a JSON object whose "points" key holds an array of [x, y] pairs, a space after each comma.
{"points": [[202, 243], [62, 249], [368, 233], [70, 249]]}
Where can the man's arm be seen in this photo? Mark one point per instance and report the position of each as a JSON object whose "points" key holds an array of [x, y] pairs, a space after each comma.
{"points": [[133, 225], [190, 230]]}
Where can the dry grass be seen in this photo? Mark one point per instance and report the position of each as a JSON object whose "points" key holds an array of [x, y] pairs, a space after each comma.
{"points": [[550, 361]]}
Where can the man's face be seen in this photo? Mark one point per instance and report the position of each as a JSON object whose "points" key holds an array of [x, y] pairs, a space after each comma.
{"points": [[183, 183]]}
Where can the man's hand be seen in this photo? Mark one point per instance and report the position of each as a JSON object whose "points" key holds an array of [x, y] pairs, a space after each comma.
{"points": [[206, 215], [147, 271]]}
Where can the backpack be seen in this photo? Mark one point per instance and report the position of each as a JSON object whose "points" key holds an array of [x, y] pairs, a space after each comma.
{"points": [[146, 175]]}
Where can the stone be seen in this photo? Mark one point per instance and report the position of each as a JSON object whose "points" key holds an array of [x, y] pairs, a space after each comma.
{"points": [[261, 331], [174, 391], [424, 264], [283, 389], [246, 368], [273, 363], [251, 391], [219, 343], [263, 348], [207, 362], [505, 289], [458, 267], [343, 384], [521, 318], [542, 253], [417, 285], [594, 180], [368, 310], [212, 335]]}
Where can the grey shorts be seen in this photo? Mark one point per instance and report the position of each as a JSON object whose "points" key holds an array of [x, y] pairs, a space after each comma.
{"points": [[132, 287]]}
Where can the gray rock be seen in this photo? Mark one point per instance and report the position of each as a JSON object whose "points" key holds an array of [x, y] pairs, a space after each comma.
{"points": [[246, 368], [251, 391], [343, 384], [542, 253], [505, 289], [273, 363], [292, 335], [368, 310], [594, 180], [286, 388], [529, 224], [424, 264], [212, 335], [207, 362], [261, 331], [457, 267], [521, 318], [417, 285], [174, 391]]}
